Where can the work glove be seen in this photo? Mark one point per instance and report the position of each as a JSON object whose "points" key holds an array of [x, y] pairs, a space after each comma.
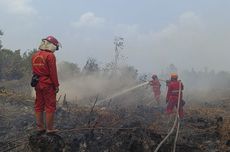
{"points": [[56, 90], [167, 82], [150, 83], [182, 102]]}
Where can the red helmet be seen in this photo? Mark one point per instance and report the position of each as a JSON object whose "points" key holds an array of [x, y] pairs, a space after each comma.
{"points": [[52, 40], [154, 76]]}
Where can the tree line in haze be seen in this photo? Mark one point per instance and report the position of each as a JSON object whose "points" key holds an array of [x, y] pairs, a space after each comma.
{"points": [[15, 65]]}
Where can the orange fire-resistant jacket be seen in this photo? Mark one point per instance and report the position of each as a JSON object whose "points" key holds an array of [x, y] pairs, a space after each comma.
{"points": [[44, 65], [173, 91]]}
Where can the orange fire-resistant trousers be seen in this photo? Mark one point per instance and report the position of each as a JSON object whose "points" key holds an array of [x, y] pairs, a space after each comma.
{"points": [[45, 99]]}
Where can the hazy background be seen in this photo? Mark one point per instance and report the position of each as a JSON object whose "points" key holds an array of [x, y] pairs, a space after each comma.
{"points": [[189, 34], [192, 36]]}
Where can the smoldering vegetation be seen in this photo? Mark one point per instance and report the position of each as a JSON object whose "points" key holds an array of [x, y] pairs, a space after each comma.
{"points": [[108, 127], [94, 79], [82, 84], [128, 122]]}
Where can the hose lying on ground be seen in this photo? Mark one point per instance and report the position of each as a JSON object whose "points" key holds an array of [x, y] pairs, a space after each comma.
{"points": [[176, 122]]}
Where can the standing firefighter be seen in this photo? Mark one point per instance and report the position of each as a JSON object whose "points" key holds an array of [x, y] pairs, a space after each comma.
{"points": [[175, 88], [155, 83], [45, 81]]}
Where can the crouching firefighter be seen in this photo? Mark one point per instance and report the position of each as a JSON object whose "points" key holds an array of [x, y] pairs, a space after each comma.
{"points": [[155, 83], [45, 82], [174, 93]]}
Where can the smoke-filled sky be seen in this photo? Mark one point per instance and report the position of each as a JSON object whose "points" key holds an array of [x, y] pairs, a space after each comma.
{"points": [[189, 34]]}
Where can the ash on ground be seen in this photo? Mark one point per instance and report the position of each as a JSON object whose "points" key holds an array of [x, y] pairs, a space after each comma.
{"points": [[113, 128]]}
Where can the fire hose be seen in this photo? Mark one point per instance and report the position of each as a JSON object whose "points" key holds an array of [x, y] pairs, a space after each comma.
{"points": [[176, 122], [178, 117]]}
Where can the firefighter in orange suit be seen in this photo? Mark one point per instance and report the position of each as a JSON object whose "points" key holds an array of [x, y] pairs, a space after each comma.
{"points": [[174, 93], [47, 85], [155, 83]]}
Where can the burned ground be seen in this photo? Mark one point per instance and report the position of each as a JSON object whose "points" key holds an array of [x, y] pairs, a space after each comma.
{"points": [[111, 128]]}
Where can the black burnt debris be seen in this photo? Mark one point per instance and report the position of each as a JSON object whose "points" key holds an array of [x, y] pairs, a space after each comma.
{"points": [[46, 142], [113, 128]]}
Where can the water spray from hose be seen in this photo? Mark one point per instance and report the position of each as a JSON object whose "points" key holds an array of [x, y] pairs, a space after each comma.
{"points": [[122, 92]]}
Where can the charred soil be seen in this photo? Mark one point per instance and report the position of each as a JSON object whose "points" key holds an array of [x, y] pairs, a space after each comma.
{"points": [[140, 128]]}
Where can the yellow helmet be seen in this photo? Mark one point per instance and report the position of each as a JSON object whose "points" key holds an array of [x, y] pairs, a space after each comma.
{"points": [[174, 76]]}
